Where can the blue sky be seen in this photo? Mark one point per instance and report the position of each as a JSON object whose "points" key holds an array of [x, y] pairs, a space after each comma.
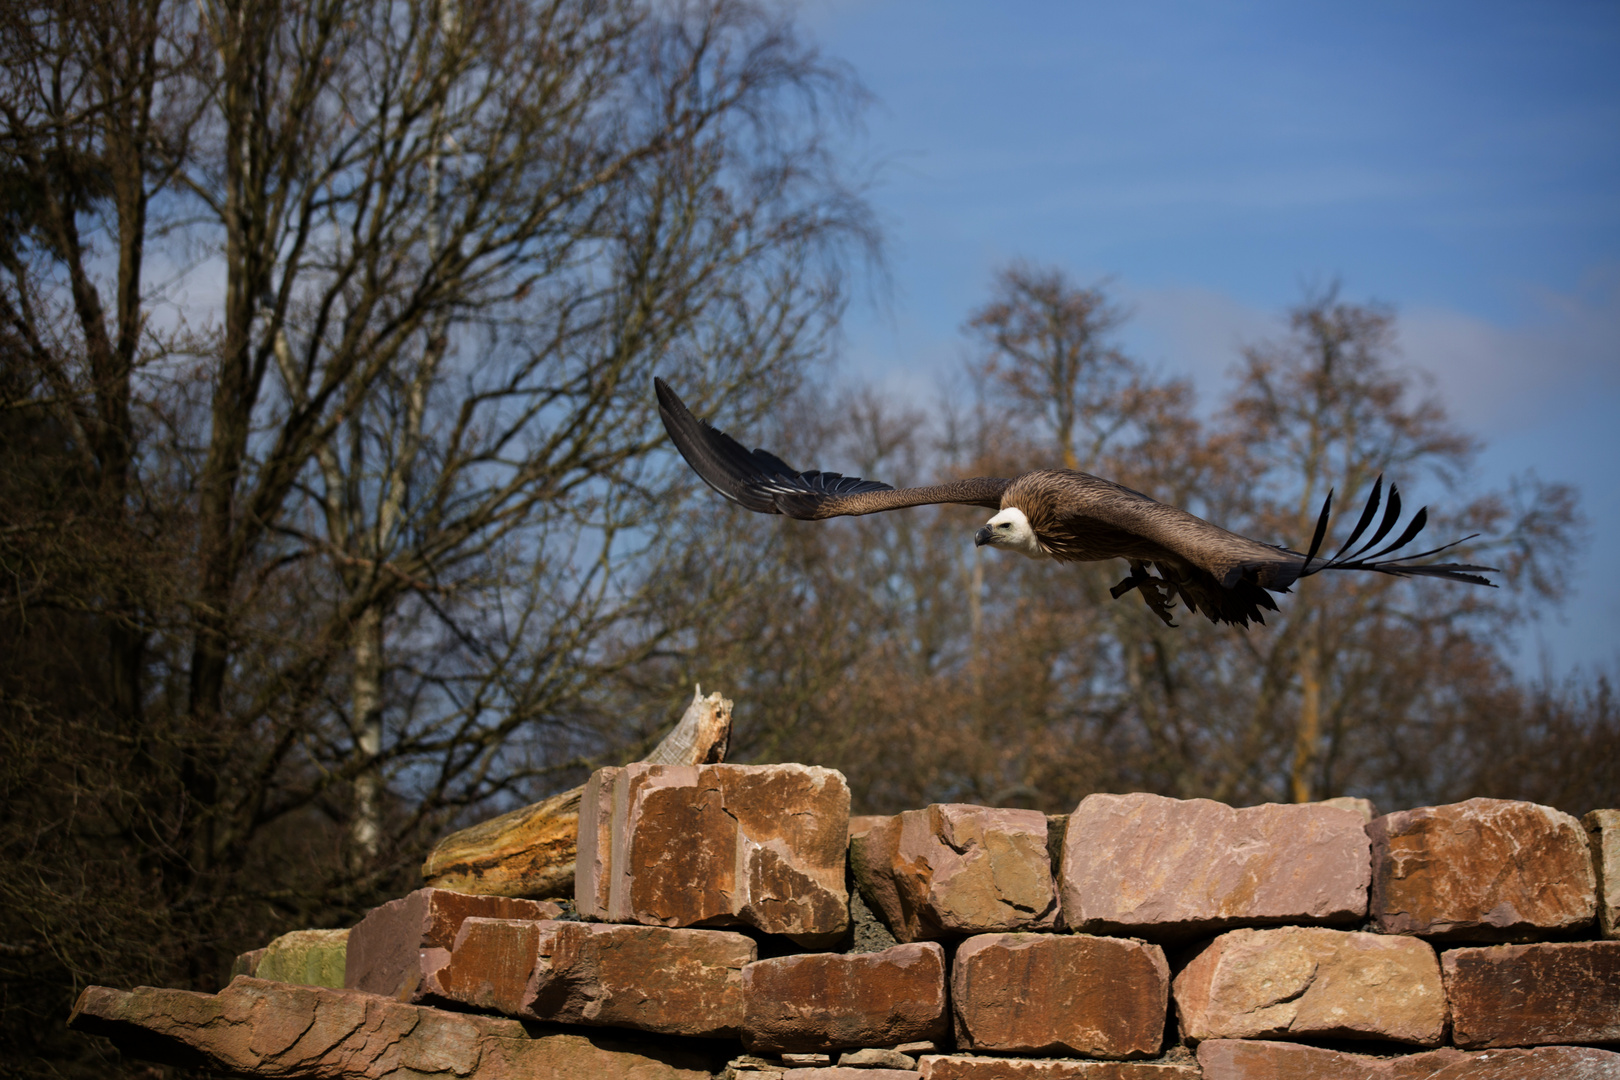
{"points": [[1460, 161]]}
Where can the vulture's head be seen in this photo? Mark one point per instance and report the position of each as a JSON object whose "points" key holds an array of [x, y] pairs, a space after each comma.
{"points": [[1010, 530]]}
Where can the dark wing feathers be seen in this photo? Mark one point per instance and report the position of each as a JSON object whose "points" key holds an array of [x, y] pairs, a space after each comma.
{"points": [[1401, 565], [763, 482]]}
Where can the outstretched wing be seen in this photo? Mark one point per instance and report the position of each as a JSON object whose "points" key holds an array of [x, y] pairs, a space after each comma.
{"points": [[763, 482], [1231, 558]]}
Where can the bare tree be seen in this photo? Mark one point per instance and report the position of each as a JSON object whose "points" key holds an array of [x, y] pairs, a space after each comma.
{"points": [[336, 322]]}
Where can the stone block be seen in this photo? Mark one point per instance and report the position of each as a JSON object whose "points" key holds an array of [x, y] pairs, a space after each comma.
{"points": [[1364, 807], [388, 950], [863, 823], [841, 1072], [1231, 1059], [830, 1001], [876, 1058], [1534, 995], [1603, 837], [1312, 982], [973, 1067], [1171, 869], [1481, 870], [718, 845], [1060, 994], [306, 957], [277, 1030], [488, 966], [957, 869], [651, 978], [593, 877]]}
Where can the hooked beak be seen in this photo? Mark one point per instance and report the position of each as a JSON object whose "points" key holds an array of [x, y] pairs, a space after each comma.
{"points": [[982, 537]]}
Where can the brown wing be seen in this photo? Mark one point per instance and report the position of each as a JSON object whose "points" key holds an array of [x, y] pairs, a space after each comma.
{"points": [[763, 482], [1231, 558]]}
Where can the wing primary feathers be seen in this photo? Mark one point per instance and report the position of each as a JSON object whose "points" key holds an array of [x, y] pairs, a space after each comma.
{"points": [[1392, 514], [1413, 527], [759, 480], [1321, 531], [1402, 565], [1367, 513]]}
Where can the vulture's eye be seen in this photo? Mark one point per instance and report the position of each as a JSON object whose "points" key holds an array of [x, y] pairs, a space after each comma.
{"points": [[1005, 525]]}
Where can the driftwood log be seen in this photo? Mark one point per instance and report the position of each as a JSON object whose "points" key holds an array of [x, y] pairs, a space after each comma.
{"points": [[530, 851]]}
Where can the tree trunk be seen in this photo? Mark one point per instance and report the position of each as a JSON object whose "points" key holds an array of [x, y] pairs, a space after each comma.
{"points": [[365, 830]]}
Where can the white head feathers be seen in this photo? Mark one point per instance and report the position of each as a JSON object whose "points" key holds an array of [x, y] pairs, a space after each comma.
{"points": [[1010, 530]]}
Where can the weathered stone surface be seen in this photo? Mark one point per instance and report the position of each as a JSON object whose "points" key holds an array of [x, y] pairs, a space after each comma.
{"points": [[268, 1029], [864, 823], [957, 869], [1481, 870], [722, 845], [1060, 994], [839, 1072], [917, 1047], [1534, 995], [593, 877], [877, 1058], [1364, 807], [1309, 981], [971, 1067], [1230, 1059], [831, 1001], [750, 1067], [1169, 869], [651, 978], [1603, 837], [488, 966], [386, 952], [307, 957]]}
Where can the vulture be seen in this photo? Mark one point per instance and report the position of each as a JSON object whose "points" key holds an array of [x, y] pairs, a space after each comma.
{"points": [[1073, 516]]}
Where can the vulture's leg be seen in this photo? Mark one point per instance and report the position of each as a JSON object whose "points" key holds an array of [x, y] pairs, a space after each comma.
{"points": [[1154, 592]]}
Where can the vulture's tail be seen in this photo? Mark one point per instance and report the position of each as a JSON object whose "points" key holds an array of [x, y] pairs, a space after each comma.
{"points": [[1363, 558]]}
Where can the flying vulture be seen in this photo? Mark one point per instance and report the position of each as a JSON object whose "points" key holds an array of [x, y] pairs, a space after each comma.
{"points": [[1073, 517]]}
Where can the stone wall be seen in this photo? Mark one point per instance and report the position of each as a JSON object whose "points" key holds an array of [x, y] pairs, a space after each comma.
{"points": [[718, 929]]}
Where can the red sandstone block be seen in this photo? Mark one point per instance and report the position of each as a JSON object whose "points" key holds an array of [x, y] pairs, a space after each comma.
{"points": [[1481, 870], [651, 978], [971, 1067], [1312, 982], [1060, 994], [1171, 869], [387, 952], [278, 1030], [488, 966], [957, 869], [1231, 1059], [717, 845], [593, 869], [829, 1001], [1534, 995]]}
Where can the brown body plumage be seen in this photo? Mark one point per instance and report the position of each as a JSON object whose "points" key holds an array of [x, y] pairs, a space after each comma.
{"points": [[1070, 517]]}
